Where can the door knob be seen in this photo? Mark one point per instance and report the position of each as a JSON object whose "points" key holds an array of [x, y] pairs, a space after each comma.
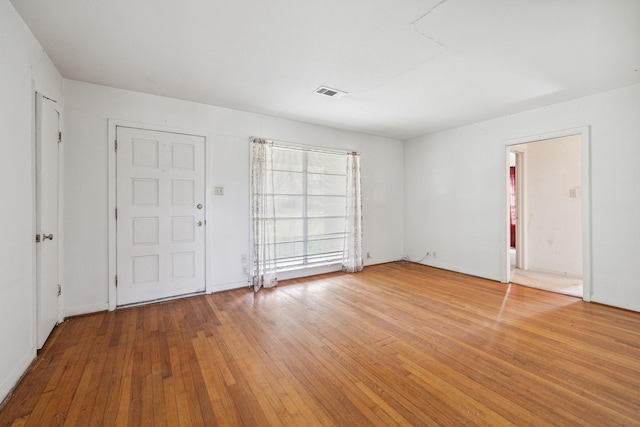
{"points": [[47, 236], [199, 223]]}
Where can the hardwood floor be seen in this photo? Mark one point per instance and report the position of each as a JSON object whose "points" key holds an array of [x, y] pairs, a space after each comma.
{"points": [[398, 344]]}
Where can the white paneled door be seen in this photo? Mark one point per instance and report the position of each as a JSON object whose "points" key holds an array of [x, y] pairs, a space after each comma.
{"points": [[47, 238], [160, 215]]}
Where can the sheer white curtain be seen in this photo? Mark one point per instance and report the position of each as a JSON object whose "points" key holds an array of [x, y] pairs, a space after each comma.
{"points": [[262, 215], [352, 254]]}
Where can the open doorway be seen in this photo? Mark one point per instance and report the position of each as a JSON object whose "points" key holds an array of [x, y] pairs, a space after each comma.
{"points": [[517, 207], [546, 220]]}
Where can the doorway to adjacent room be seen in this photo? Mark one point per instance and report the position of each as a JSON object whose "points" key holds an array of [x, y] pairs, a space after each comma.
{"points": [[546, 223]]}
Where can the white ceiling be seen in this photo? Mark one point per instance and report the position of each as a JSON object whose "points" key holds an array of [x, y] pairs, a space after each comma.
{"points": [[410, 67]]}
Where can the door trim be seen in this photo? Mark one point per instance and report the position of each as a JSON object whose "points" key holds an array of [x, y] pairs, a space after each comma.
{"points": [[112, 163], [585, 138]]}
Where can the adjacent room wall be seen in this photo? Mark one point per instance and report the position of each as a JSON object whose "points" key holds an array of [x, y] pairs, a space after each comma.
{"points": [[24, 67], [455, 191], [553, 218], [87, 110]]}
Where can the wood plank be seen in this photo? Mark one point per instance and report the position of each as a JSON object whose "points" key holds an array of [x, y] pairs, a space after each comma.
{"points": [[398, 344]]}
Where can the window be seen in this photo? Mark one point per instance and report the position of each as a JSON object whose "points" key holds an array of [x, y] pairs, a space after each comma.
{"points": [[306, 210], [309, 205]]}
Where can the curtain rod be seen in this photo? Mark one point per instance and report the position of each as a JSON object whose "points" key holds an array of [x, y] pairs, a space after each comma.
{"points": [[297, 146]]}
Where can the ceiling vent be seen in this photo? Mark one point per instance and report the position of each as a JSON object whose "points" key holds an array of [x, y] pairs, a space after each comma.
{"points": [[327, 91]]}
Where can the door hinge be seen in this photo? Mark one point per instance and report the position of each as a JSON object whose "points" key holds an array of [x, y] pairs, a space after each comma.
{"points": [[59, 137], [116, 213], [116, 281], [59, 289], [115, 142]]}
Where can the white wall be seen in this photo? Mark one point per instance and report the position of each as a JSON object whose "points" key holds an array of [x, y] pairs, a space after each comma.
{"points": [[23, 68], [455, 191], [553, 218], [87, 110]]}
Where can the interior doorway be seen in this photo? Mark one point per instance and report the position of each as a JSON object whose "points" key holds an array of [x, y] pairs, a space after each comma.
{"points": [[547, 214]]}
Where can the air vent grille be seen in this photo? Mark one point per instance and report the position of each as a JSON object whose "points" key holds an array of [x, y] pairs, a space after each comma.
{"points": [[327, 91]]}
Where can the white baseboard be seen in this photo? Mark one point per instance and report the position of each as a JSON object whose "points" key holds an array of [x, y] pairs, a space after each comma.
{"points": [[292, 274], [85, 309], [14, 377], [456, 269], [625, 304], [227, 286]]}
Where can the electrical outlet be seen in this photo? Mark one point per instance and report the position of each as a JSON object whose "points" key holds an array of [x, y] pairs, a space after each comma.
{"points": [[245, 270], [368, 255], [218, 191]]}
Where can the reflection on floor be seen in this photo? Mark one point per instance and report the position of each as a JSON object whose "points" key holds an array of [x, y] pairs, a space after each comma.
{"points": [[547, 281]]}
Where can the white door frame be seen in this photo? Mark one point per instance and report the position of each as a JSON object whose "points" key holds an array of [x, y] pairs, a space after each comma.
{"points": [[113, 123], [585, 138]]}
